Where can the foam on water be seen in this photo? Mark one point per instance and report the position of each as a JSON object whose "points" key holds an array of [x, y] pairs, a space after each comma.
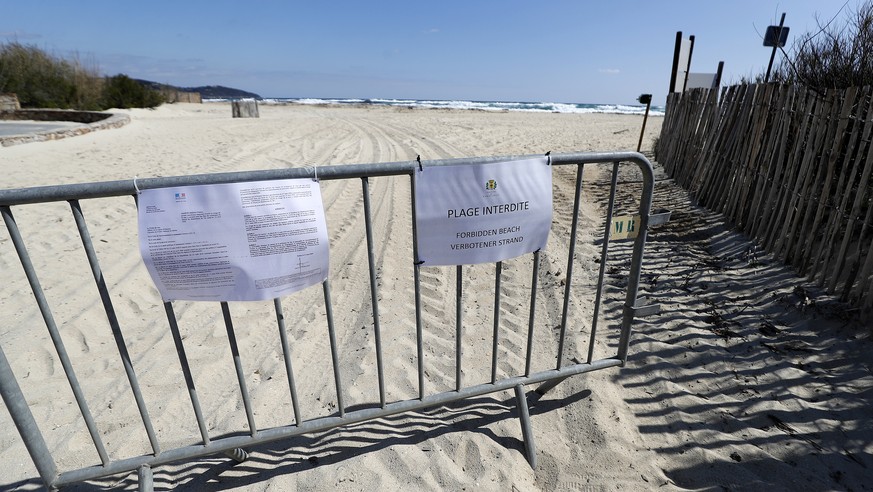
{"points": [[540, 107]]}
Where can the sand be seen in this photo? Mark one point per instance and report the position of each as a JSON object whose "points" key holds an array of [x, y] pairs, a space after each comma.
{"points": [[748, 378]]}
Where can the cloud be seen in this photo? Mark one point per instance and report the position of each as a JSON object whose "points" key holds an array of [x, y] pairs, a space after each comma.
{"points": [[609, 71], [432, 30], [177, 71], [18, 35]]}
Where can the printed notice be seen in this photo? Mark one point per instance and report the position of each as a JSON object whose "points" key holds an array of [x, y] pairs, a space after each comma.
{"points": [[483, 213], [234, 242]]}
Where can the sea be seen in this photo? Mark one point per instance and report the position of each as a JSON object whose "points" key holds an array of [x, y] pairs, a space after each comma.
{"points": [[539, 107]]}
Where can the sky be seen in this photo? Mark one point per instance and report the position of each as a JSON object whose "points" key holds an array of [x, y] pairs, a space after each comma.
{"points": [[598, 52]]}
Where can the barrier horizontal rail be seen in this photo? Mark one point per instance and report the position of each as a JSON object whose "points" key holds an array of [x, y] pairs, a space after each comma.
{"points": [[42, 455]]}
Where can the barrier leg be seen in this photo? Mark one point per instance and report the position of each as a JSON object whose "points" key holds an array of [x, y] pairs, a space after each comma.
{"points": [[145, 479], [548, 385], [237, 454], [526, 429], [27, 427]]}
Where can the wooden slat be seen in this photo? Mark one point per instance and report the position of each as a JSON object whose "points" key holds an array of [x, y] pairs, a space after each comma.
{"points": [[861, 198], [769, 159], [863, 245], [837, 225], [799, 116], [827, 181], [796, 202], [769, 190]]}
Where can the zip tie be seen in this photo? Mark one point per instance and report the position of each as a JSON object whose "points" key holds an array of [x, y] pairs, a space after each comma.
{"points": [[135, 186], [315, 168], [548, 155], [418, 160]]}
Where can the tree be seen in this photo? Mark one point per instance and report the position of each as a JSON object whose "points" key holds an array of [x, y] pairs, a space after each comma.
{"points": [[120, 91]]}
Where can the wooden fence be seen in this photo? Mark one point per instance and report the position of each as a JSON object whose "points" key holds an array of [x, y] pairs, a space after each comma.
{"points": [[789, 167], [173, 96]]}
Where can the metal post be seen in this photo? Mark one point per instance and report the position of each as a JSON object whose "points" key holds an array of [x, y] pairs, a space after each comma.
{"points": [[648, 101], [716, 84], [688, 68], [673, 74], [775, 46]]}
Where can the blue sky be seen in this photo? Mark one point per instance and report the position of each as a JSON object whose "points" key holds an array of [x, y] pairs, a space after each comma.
{"points": [[603, 51]]}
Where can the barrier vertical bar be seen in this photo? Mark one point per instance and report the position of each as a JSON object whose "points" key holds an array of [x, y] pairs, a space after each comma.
{"points": [[494, 338], [419, 328], [237, 364], [603, 257], [26, 425], [91, 253], [328, 308], [459, 326], [286, 355], [533, 309], [373, 294], [47, 316], [571, 253], [419, 331], [186, 371]]}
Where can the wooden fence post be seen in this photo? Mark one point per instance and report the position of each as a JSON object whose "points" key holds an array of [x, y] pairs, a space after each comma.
{"points": [[245, 109]]}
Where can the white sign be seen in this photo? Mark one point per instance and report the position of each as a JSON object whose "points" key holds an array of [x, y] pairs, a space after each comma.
{"points": [[234, 242], [683, 63], [701, 81], [483, 213]]}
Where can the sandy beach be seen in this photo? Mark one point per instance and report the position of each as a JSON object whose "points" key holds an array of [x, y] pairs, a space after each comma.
{"points": [[749, 378]]}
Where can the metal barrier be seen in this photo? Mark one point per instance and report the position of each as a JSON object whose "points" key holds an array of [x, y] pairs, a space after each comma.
{"points": [[232, 443]]}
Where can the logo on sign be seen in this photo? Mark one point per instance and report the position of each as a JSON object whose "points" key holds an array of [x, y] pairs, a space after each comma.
{"points": [[180, 197], [491, 185]]}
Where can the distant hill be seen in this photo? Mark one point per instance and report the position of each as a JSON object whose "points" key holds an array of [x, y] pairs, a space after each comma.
{"points": [[221, 92], [206, 91]]}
